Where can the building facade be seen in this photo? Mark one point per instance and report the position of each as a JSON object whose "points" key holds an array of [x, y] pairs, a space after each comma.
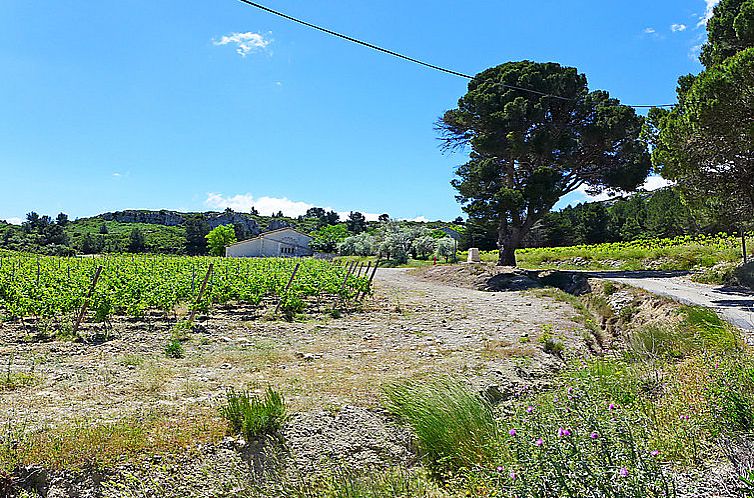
{"points": [[282, 243]]}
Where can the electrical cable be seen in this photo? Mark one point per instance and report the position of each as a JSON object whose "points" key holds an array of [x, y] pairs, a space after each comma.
{"points": [[413, 60]]}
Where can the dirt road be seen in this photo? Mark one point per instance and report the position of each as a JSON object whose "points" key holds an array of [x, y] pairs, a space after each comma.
{"points": [[733, 304]]}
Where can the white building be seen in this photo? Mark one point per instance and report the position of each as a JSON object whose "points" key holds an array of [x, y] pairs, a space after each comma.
{"points": [[281, 243]]}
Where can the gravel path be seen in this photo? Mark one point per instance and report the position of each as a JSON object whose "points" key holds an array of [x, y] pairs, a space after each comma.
{"points": [[733, 304]]}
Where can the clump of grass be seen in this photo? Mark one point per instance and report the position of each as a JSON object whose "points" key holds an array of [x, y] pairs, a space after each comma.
{"points": [[454, 426], [711, 332], [700, 330], [253, 416], [730, 393], [11, 380], [174, 349], [550, 344]]}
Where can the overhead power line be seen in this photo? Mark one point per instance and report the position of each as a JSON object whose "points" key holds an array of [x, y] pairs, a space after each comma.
{"points": [[411, 59]]}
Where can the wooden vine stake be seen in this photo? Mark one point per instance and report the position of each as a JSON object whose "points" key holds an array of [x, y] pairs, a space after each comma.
{"points": [[366, 272], [288, 286], [371, 277], [192, 315], [84, 306]]}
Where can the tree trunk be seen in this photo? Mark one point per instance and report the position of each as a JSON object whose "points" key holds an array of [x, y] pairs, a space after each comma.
{"points": [[508, 241], [507, 256]]}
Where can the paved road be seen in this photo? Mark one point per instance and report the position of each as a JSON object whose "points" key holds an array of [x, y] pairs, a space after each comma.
{"points": [[733, 304]]}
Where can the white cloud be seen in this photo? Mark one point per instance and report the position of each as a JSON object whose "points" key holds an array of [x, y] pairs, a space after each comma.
{"points": [[420, 219], [246, 43], [652, 183], [269, 205], [677, 28], [14, 220], [650, 31], [707, 13]]}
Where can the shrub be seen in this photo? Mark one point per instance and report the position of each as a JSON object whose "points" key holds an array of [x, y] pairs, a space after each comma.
{"points": [[253, 416], [455, 427]]}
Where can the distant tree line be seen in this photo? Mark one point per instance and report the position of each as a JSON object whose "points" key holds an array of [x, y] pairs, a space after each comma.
{"points": [[643, 215]]}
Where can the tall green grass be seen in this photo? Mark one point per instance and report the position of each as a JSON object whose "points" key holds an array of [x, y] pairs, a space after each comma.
{"points": [[455, 427], [251, 415]]}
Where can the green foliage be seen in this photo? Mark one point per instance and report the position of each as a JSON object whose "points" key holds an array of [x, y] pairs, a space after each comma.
{"points": [[528, 150], [356, 222], [678, 253], [136, 241], [93, 235], [730, 393], [219, 238], [701, 143], [197, 229], [730, 31], [571, 443], [327, 238], [52, 287], [345, 483], [358, 245], [455, 427], [550, 344], [253, 416], [174, 349]]}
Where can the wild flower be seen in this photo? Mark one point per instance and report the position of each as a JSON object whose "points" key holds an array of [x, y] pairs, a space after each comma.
{"points": [[500, 468], [512, 432], [563, 432], [529, 409], [611, 406], [539, 442], [594, 435], [623, 472], [512, 475], [654, 453]]}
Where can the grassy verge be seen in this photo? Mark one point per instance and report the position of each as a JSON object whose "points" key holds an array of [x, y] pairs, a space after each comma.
{"points": [[612, 426]]}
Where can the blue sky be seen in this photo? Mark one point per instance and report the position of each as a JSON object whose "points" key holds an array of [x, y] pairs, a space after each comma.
{"points": [[200, 105]]}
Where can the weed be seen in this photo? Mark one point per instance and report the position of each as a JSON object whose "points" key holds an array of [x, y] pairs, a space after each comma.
{"points": [[550, 344], [174, 349], [455, 427], [253, 416]]}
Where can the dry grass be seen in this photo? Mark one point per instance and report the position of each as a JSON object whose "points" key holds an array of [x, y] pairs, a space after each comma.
{"points": [[501, 349], [86, 444]]}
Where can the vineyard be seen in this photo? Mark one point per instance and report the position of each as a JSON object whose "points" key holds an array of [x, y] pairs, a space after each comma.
{"points": [[679, 253], [45, 287]]}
